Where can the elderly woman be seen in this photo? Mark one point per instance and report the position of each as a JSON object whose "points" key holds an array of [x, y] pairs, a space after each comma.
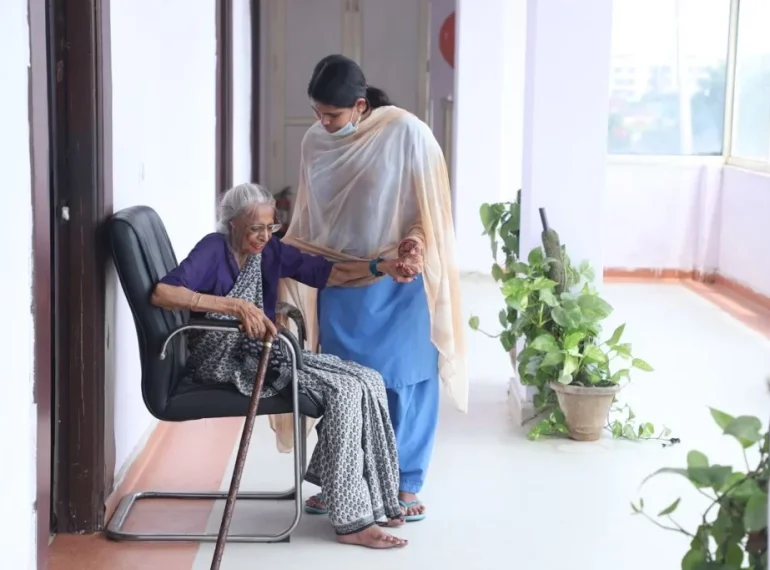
{"points": [[234, 273]]}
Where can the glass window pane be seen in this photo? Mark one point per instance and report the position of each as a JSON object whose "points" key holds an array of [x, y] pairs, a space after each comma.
{"points": [[751, 99], [668, 75]]}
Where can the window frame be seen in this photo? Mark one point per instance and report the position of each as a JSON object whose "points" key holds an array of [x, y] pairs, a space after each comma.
{"points": [[726, 158]]}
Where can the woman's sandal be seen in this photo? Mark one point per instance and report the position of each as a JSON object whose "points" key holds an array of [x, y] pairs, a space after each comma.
{"points": [[316, 510], [407, 506]]}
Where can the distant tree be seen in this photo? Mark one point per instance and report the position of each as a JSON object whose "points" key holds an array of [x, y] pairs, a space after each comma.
{"points": [[707, 106]]}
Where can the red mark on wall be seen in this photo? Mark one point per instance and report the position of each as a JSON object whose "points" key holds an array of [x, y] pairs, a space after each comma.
{"points": [[446, 40]]}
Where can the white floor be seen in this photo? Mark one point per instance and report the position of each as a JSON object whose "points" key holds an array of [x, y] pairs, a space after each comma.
{"points": [[496, 500]]}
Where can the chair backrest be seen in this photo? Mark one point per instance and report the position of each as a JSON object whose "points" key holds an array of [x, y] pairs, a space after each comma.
{"points": [[142, 254]]}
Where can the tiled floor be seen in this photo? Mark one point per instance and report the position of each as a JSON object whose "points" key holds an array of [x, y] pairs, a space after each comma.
{"points": [[498, 500]]}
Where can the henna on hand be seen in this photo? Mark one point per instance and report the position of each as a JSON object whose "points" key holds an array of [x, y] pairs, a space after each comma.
{"points": [[409, 246]]}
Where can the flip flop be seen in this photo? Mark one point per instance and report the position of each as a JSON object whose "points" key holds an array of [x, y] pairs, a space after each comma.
{"points": [[412, 518], [316, 510]]}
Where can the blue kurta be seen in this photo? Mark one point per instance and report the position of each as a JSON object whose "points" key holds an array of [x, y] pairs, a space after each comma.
{"points": [[386, 326]]}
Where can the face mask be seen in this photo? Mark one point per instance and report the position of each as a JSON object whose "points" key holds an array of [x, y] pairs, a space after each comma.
{"points": [[349, 128]]}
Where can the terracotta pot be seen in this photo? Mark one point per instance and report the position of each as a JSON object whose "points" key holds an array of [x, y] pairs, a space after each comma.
{"points": [[585, 409]]}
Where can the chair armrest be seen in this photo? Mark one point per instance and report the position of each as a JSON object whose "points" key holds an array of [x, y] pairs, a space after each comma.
{"points": [[202, 324]]}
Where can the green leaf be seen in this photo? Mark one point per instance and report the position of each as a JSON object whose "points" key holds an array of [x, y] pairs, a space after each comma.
{"points": [[628, 432], [535, 256], [740, 487], [623, 350], [497, 272], [552, 359], [473, 322], [544, 343], [567, 316], [641, 365], [511, 242], [667, 470], [594, 353], [514, 287], [485, 212], [669, 509], [573, 339], [520, 267], [722, 419], [755, 515], [646, 430], [593, 307], [615, 338], [502, 316], [709, 477], [542, 283], [560, 317], [745, 429], [695, 557], [508, 340], [547, 297], [619, 375], [570, 365], [696, 459]]}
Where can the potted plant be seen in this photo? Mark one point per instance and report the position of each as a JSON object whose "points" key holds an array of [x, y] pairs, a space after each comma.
{"points": [[553, 306], [732, 534]]}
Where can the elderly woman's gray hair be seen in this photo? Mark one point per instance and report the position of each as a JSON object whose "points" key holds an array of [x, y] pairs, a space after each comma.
{"points": [[239, 198]]}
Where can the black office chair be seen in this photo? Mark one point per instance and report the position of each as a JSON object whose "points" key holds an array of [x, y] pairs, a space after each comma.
{"points": [[142, 253]]}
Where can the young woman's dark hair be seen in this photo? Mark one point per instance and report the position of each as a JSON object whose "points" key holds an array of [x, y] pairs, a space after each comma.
{"points": [[339, 81]]}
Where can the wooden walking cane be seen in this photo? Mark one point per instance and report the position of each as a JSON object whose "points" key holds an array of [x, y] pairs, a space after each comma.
{"points": [[243, 450]]}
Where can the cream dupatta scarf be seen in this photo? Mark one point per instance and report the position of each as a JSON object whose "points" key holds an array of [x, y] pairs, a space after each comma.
{"points": [[358, 198]]}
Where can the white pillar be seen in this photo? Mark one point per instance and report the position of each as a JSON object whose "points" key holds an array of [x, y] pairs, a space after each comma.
{"points": [[489, 73], [565, 124], [565, 133]]}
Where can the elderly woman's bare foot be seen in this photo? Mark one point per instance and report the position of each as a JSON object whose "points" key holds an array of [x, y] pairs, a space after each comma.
{"points": [[373, 537]]}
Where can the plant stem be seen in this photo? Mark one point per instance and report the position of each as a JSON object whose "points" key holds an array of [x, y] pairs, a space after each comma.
{"points": [[664, 527], [679, 527], [488, 334]]}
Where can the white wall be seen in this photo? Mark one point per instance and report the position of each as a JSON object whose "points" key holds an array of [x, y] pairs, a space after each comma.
{"points": [[17, 411], [662, 215], [164, 119], [744, 248], [242, 70], [487, 167]]}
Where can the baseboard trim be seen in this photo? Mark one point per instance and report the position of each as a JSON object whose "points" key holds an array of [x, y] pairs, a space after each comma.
{"points": [[710, 278], [647, 273]]}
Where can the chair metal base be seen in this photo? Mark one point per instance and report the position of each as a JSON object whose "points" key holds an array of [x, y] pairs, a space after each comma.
{"points": [[114, 530]]}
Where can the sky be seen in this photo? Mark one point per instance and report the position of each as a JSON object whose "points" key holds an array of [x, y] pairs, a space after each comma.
{"points": [[646, 29]]}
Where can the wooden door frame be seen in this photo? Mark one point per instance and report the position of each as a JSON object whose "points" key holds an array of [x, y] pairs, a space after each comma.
{"points": [[80, 146], [256, 87], [224, 96]]}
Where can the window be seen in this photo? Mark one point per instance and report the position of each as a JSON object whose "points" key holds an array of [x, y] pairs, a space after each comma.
{"points": [[751, 96], [668, 76]]}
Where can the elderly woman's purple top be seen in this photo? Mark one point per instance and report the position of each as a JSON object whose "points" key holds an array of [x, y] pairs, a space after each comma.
{"points": [[211, 269]]}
